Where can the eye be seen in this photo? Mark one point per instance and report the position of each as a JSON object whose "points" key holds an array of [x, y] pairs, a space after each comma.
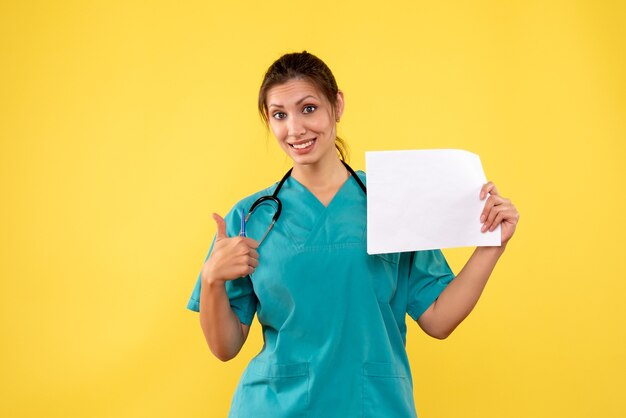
{"points": [[279, 115], [309, 108]]}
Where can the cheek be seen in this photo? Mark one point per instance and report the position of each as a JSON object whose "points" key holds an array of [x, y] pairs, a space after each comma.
{"points": [[278, 131], [321, 124]]}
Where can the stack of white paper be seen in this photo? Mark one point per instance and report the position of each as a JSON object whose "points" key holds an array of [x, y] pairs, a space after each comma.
{"points": [[424, 199]]}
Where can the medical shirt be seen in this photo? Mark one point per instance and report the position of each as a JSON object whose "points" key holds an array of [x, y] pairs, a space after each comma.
{"points": [[333, 317]]}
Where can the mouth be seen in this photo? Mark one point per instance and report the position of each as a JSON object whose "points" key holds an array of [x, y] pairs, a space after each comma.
{"points": [[302, 145]]}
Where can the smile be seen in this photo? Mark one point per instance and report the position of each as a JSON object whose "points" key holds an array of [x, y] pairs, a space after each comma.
{"points": [[303, 145]]}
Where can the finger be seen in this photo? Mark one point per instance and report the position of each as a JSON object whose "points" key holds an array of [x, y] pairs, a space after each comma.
{"points": [[244, 271], [497, 221], [221, 227], [491, 202], [246, 268], [492, 216], [488, 188], [250, 242], [253, 253], [502, 212], [253, 262]]}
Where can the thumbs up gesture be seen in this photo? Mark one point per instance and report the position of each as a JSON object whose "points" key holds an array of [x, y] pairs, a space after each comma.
{"points": [[231, 258]]}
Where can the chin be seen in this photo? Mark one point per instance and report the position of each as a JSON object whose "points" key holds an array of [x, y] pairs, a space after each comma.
{"points": [[299, 160]]}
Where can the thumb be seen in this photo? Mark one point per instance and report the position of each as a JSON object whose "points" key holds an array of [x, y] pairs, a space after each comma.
{"points": [[221, 227]]}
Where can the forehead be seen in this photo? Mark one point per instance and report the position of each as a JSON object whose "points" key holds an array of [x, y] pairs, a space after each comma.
{"points": [[292, 91]]}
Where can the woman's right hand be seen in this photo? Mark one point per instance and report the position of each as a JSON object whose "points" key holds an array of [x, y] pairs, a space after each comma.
{"points": [[231, 258]]}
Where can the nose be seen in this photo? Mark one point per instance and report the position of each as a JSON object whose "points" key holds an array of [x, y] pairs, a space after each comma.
{"points": [[295, 126]]}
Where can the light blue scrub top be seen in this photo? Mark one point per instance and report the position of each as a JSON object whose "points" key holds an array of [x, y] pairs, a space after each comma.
{"points": [[333, 317]]}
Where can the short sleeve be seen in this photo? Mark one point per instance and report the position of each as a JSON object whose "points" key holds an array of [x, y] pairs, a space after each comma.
{"points": [[429, 273], [240, 292]]}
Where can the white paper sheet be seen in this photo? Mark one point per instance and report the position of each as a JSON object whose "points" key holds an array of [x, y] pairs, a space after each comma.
{"points": [[424, 199]]}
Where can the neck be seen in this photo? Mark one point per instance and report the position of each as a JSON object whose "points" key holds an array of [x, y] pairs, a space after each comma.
{"points": [[324, 174]]}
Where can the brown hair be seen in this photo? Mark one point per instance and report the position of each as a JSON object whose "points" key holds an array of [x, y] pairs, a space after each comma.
{"points": [[302, 65]]}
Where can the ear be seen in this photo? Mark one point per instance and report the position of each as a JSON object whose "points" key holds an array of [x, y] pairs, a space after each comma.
{"points": [[340, 105]]}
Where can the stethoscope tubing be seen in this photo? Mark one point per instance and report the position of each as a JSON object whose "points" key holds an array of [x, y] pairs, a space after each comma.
{"points": [[279, 206]]}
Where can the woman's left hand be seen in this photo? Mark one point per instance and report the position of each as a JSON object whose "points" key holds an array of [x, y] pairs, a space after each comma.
{"points": [[498, 211]]}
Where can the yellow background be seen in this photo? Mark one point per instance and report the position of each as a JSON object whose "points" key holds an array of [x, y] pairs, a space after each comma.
{"points": [[124, 124]]}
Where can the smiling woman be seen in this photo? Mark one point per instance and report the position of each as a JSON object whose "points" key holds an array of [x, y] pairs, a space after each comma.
{"points": [[303, 121], [333, 316], [304, 67]]}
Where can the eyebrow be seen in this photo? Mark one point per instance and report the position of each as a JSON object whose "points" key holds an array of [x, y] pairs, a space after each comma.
{"points": [[297, 103]]}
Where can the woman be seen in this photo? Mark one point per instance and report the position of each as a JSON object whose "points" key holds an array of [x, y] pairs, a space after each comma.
{"points": [[333, 317]]}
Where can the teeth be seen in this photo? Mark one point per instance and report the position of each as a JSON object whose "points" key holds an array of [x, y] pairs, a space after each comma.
{"points": [[303, 146]]}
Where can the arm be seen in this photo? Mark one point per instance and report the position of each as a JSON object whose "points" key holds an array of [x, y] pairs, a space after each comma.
{"points": [[459, 298], [223, 331], [230, 259]]}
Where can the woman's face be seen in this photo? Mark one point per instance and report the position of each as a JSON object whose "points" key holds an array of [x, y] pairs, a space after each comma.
{"points": [[303, 121]]}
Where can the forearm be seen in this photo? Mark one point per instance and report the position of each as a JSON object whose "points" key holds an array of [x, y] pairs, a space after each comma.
{"points": [[221, 326], [459, 298]]}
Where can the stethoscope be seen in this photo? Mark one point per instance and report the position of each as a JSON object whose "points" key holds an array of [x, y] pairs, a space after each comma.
{"points": [[278, 205]]}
